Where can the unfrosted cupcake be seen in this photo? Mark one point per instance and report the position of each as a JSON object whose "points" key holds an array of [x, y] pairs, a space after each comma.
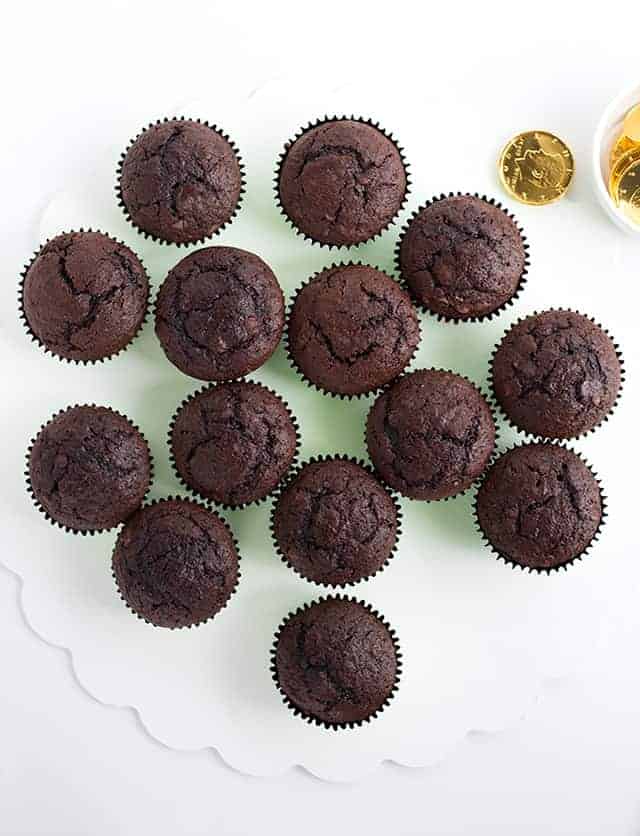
{"points": [[336, 662], [342, 181]]}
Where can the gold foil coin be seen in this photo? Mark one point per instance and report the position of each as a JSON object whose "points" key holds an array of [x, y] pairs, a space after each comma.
{"points": [[536, 168], [631, 124], [629, 192], [620, 147], [624, 164]]}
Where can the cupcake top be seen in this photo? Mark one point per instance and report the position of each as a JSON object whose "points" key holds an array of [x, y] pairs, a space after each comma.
{"points": [[180, 181], [335, 662], [334, 523], [462, 257], [539, 506], [342, 182], [556, 374], [175, 563], [84, 296], [352, 329], [430, 434], [89, 468], [219, 313], [233, 442]]}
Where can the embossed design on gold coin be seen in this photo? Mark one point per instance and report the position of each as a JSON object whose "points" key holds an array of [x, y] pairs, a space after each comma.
{"points": [[536, 167], [620, 147], [629, 192], [625, 163]]}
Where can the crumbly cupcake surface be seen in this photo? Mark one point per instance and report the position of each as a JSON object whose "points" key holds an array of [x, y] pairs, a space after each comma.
{"points": [[462, 257], [85, 296], [539, 506], [175, 563], [430, 434], [89, 468], [556, 374], [233, 442], [180, 181], [352, 329], [342, 182], [334, 523], [336, 662], [220, 313]]}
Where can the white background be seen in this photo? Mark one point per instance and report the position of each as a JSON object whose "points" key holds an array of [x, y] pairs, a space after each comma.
{"points": [[69, 765]]}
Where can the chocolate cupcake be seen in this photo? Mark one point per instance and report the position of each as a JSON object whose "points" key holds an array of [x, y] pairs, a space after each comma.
{"points": [[336, 662], [556, 374], [180, 181], [430, 434], [342, 181], [233, 442], [84, 296], [175, 563], [462, 257], [540, 507], [88, 469], [219, 313], [334, 523], [352, 329]]}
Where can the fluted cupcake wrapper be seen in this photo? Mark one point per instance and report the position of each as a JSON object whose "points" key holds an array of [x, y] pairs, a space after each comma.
{"points": [[459, 319], [534, 436], [537, 569], [36, 501], [323, 121], [209, 501], [488, 400], [36, 339], [312, 720], [289, 482], [287, 341], [204, 238], [204, 507]]}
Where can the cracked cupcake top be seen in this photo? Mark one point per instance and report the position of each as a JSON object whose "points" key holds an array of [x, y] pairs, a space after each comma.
{"points": [[556, 374], [175, 563], [220, 313], [180, 181], [539, 506], [233, 442], [352, 329], [462, 257], [342, 182], [335, 523], [335, 661], [85, 296], [89, 468], [430, 434]]}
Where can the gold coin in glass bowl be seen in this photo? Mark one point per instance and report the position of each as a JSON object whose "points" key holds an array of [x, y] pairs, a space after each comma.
{"points": [[624, 163], [536, 167], [629, 192]]}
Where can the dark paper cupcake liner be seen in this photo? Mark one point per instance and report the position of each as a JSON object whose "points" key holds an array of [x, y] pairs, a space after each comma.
{"points": [[34, 337], [309, 718], [533, 436], [205, 238], [287, 344], [535, 569], [461, 320], [288, 482], [205, 507], [205, 499], [33, 496], [323, 121], [488, 400]]}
